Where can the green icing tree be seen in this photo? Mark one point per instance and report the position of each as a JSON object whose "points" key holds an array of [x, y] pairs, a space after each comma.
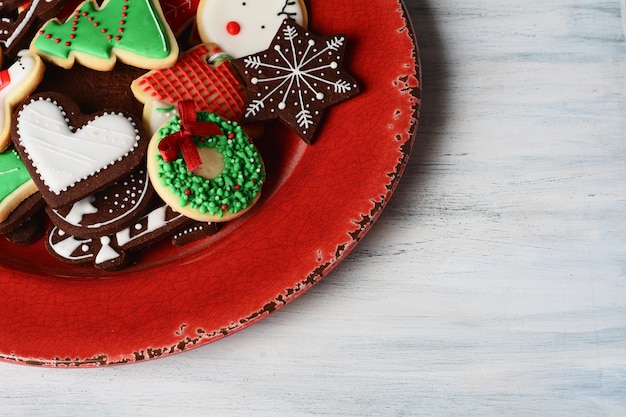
{"points": [[131, 25]]}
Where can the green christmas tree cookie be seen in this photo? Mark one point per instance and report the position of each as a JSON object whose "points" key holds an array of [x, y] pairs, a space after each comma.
{"points": [[133, 31]]}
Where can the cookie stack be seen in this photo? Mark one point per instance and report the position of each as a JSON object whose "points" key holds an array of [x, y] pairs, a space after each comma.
{"points": [[133, 121]]}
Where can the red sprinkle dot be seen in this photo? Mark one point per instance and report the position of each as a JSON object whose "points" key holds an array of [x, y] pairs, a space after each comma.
{"points": [[74, 22], [120, 30], [96, 24], [73, 29], [57, 40], [48, 36], [187, 191], [84, 13], [72, 35], [233, 28], [40, 32], [68, 43], [224, 207], [125, 7], [237, 187], [109, 37], [231, 135], [124, 14], [90, 18], [118, 37], [103, 30], [122, 22]]}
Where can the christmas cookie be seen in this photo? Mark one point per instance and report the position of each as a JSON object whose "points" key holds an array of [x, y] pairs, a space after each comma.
{"points": [[204, 166], [179, 14], [194, 232], [17, 82], [116, 250], [95, 90], [213, 86], [246, 27], [28, 231], [71, 155], [16, 184], [296, 79], [28, 208], [20, 20], [106, 211], [133, 31]]}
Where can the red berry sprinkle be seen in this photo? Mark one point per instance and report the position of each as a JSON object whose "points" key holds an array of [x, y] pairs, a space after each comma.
{"points": [[57, 40], [187, 191], [72, 35], [237, 187], [224, 207], [68, 43]]}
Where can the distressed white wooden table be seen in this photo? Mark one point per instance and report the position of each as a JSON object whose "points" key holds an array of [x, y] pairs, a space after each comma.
{"points": [[494, 284]]}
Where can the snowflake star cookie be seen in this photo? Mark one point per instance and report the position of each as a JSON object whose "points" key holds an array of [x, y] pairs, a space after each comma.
{"points": [[242, 28], [296, 79]]}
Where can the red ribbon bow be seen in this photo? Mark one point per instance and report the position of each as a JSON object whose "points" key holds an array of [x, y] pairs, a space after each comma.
{"points": [[182, 141]]}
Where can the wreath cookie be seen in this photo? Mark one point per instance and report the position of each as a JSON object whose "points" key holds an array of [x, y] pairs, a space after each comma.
{"points": [[205, 166]]}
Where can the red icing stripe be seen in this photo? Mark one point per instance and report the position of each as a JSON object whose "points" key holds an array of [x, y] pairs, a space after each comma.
{"points": [[215, 89], [5, 79]]}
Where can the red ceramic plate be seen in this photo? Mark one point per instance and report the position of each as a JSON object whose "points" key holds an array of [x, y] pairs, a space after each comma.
{"points": [[318, 202]]}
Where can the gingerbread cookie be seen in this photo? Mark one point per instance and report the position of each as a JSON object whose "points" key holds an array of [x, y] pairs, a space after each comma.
{"points": [[22, 213], [115, 251], [135, 32], [16, 185], [179, 14], [108, 210], [194, 232], [95, 90], [17, 82], [215, 87], [20, 20], [305, 78], [246, 27], [71, 155], [204, 166], [28, 231]]}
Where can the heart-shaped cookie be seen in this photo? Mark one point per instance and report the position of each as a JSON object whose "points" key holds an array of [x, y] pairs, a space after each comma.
{"points": [[71, 155]]}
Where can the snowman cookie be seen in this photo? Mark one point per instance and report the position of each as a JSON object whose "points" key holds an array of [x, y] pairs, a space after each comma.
{"points": [[242, 28]]}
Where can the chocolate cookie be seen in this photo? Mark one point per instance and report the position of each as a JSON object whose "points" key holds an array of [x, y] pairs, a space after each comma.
{"points": [[70, 155], [108, 210]]}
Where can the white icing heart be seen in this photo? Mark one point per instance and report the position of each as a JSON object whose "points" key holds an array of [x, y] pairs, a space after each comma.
{"points": [[62, 157]]}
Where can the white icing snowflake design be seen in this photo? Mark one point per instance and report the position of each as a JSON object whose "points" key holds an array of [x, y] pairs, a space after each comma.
{"points": [[296, 79]]}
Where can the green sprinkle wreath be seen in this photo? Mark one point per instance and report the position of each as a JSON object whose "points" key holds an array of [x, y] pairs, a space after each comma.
{"points": [[234, 189]]}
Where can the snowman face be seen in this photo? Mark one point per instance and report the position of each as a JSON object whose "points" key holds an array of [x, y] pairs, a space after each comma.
{"points": [[244, 27]]}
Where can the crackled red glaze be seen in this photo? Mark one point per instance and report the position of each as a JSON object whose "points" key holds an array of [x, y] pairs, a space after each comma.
{"points": [[315, 205]]}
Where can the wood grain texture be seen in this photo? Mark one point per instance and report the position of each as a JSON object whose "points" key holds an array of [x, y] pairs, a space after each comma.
{"points": [[494, 284]]}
